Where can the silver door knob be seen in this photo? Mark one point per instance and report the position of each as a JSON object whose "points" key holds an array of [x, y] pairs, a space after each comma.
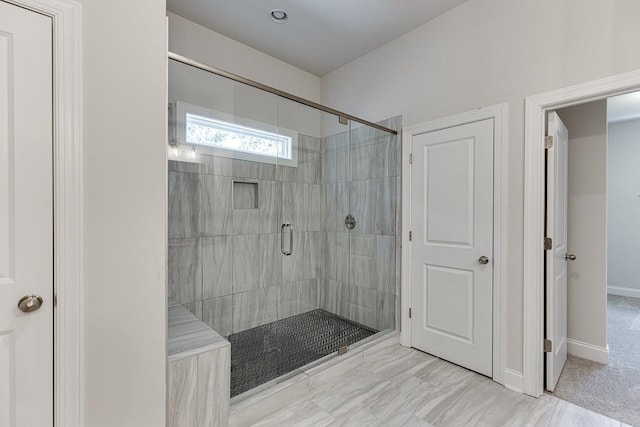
{"points": [[29, 303], [570, 257], [483, 260]]}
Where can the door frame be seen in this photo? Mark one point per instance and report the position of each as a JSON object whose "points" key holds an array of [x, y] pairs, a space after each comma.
{"points": [[499, 113], [536, 108], [68, 224]]}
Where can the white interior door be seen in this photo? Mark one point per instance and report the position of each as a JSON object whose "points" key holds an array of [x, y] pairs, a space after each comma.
{"points": [[555, 262], [26, 215], [452, 244]]}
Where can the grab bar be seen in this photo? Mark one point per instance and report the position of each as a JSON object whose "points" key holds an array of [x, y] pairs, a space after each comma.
{"points": [[286, 253]]}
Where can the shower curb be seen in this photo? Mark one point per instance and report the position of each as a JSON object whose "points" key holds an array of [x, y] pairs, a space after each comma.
{"points": [[304, 377]]}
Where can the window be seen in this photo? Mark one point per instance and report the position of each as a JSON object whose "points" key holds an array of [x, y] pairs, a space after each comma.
{"points": [[220, 134], [215, 133]]}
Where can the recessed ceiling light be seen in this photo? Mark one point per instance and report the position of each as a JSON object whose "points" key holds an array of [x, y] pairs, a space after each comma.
{"points": [[278, 16]]}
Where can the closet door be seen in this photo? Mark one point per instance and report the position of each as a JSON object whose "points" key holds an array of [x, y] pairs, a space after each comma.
{"points": [[452, 245]]}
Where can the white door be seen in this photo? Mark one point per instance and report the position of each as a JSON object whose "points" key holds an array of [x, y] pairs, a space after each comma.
{"points": [[26, 215], [452, 244], [555, 262]]}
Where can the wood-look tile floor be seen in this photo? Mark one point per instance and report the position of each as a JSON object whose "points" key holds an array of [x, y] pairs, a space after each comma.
{"points": [[390, 385]]}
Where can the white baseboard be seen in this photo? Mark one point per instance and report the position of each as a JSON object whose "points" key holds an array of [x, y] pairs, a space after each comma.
{"points": [[513, 380], [588, 351], [623, 292]]}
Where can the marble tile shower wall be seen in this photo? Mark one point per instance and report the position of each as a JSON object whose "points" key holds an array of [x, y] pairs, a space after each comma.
{"points": [[361, 268], [225, 263]]}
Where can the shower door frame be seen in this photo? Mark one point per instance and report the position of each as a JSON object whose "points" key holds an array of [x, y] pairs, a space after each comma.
{"points": [[343, 117]]}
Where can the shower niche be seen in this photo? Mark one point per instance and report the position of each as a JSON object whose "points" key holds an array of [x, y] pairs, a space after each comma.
{"points": [[245, 195], [259, 189]]}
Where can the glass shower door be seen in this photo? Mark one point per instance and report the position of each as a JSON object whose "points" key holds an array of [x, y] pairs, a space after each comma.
{"points": [[313, 301]]}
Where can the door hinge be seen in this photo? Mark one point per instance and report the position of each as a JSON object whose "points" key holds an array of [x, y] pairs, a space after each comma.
{"points": [[410, 235], [409, 313], [548, 243], [548, 142], [411, 158], [548, 346]]}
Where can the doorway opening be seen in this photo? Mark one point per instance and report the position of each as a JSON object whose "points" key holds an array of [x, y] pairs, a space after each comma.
{"points": [[536, 108], [592, 282]]}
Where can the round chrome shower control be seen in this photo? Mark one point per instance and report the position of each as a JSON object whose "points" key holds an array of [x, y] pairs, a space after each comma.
{"points": [[350, 222]]}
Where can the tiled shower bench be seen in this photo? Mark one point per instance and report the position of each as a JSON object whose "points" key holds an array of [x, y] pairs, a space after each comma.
{"points": [[199, 372]]}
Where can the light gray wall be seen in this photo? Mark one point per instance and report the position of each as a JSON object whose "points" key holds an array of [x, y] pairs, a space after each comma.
{"points": [[624, 207], [587, 223], [201, 88], [125, 213], [196, 42], [486, 52]]}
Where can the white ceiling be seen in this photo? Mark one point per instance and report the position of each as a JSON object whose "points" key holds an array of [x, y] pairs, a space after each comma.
{"points": [[623, 107], [320, 36]]}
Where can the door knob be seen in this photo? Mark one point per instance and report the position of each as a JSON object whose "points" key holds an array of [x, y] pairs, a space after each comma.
{"points": [[483, 260], [570, 257], [29, 303]]}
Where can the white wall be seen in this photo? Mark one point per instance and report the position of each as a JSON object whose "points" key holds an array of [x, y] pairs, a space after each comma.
{"points": [[482, 53], [623, 201], [125, 212], [587, 227]]}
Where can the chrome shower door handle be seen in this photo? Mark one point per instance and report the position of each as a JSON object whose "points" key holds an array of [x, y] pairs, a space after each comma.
{"points": [[282, 228]]}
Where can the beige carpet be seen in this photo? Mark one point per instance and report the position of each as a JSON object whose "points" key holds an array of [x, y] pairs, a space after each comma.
{"points": [[614, 389]]}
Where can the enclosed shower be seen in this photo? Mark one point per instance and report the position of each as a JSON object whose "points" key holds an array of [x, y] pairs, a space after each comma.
{"points": [[283, 221]]}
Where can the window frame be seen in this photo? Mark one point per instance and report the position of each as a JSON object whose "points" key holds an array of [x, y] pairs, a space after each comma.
{"points": [[183, 108]]}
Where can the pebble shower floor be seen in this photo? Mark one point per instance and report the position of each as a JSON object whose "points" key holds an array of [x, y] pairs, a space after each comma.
{"points": [[263, 353]]}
